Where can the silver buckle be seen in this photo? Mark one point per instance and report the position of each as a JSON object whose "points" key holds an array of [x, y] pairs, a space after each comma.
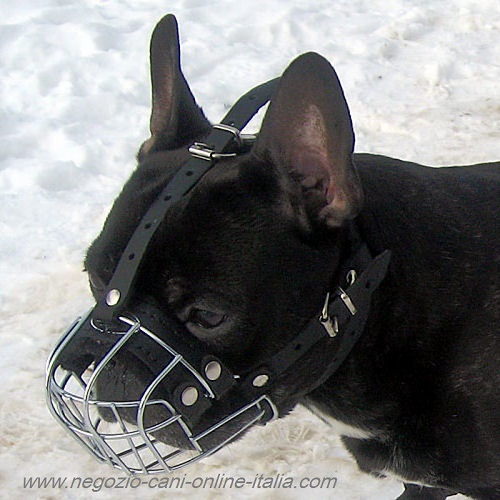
{"points": [[231, 130], [347, 301], [206, 152], [331, 325]]}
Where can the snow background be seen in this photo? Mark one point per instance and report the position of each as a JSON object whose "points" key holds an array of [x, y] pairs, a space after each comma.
{"points": [[421, 78]]}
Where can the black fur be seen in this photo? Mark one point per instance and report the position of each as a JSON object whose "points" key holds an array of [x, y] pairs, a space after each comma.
{"points": [[260, 238]]}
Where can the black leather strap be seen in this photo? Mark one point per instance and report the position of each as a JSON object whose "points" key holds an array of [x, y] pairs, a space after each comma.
{"points": [[360, 293], [220, 141], [349, 325], [347, 311]]}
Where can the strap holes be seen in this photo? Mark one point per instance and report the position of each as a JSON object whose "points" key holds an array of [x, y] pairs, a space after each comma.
{"points": [[131, 256], [298, 347], [189, 173], [148, 225], [168, 197]]}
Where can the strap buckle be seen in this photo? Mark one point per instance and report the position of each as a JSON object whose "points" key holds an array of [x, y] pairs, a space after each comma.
{"points": [[331, 325], [207, 152], [347, 301]]}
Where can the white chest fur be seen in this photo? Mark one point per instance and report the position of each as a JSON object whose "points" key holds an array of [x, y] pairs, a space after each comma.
{"points": [[344, 429], [339, 427]]}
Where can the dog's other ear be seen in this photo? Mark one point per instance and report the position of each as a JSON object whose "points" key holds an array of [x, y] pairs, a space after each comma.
{"points": [[176, 120], [308, 132]]}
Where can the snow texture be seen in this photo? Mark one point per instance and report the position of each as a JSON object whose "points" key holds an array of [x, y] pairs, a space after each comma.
{"points": [[421, 78]]}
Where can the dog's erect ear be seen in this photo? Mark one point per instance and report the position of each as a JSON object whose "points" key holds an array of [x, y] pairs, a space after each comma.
{"points": [[176, 120], [308, 131]]}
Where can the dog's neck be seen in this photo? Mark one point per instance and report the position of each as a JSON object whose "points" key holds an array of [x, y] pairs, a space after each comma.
{"points": [[341, 322], [355, 257]]}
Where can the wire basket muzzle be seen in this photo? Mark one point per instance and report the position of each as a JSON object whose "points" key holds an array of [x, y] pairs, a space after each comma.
{"points": [[137, 403]]}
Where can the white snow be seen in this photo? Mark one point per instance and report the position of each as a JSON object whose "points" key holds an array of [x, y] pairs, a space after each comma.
{"points": [[421, 78]]}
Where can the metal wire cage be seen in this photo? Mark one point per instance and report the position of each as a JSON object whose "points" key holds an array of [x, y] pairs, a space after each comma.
{"points": [[128, 434]]}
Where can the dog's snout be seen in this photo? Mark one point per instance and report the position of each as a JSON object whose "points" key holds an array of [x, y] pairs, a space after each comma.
{"points": [[137, 402]]}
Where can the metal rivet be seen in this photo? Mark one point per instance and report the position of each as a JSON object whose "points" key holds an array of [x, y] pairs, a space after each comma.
{"points": [[113, 297], [189, 396], [213, 370], [260, 380]]}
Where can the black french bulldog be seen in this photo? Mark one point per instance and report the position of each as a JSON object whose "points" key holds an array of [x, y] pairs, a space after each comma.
{"points": [[248, 258]]}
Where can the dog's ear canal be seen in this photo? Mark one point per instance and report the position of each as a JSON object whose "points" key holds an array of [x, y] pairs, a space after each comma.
{"points": [[307, 131], [176, 119]]}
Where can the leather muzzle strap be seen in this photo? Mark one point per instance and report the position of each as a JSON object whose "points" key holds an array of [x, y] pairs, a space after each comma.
{"points": [[219, 143], [347, 313]]}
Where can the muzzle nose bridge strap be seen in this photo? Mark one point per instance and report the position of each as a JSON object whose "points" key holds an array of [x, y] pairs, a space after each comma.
{"points": [[219, 143]]}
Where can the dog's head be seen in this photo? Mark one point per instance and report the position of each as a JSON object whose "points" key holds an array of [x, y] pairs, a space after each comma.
{"points": [[244, 261]]}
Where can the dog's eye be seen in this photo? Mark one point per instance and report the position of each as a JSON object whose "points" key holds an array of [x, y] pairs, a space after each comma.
{"points": [[206, 319]]}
